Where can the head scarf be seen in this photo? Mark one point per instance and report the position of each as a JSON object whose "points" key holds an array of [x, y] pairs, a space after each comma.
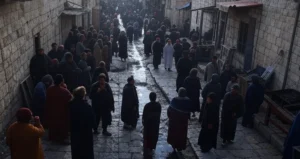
{"points": [[24, 115]]}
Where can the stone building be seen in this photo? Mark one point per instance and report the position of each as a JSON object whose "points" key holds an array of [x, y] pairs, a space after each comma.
{"points": [[25, 26], [256, 32], [178, 11]]}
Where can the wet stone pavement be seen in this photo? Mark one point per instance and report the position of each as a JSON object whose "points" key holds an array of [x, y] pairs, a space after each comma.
{"points": [[248, 143], [124, 144]]}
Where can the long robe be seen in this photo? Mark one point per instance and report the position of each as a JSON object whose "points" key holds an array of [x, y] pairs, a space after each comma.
{"points": [[70, 72], [57, 113], [208, 136], [123, 47], [85, 76], [130, 105], [148, 39], [193, 87], [39, 67], [183, 67], [225, 77], [102, 103], [157, 50], [178, 50], [151, 120], [98, 54], [231, 111], [24, 141], [292, 139], [254, 98], [168, 55], [212, 87], [82, 124], [39, 100], [179, 114], [79, 48], [130, 32]]}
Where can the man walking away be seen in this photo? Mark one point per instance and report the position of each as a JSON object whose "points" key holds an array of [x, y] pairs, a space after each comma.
{"points": [[151, 120], [231, 111], [130, 105]]}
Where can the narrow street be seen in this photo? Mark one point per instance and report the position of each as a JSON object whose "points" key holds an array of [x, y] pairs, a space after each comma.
{"points": [[125, 144]]}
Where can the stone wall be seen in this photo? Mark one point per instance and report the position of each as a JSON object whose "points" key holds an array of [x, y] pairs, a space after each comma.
{"points": [[274, 26], [173, 14], [19, 23]]}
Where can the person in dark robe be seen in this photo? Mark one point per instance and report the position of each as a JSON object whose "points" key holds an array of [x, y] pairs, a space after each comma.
{"points": [[195, 53], [193, 86], [70, 71], [130, 105], [102, 103], [76, 58], [69, 41], [148, 39], [161, 35], [39, 96], [254, 98], [107, 42], [53, 52], [179, 114], [293, 138], [185, 45], [39, 66], [225, 77], [115, 47], [130, 31], [210, 125], [151, 121], [173, 36], [81, 126], [60, 52], [88, 39], [157, 50], [183, 67], [213, 86], [98, 71], [80, 46], [57, 111], [54, 68], [178, 50], [123, 54], [84, 78], [92, 42], [91, 61], [232, 110]]}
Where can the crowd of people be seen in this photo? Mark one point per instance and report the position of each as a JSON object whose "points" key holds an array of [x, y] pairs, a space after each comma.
{"points": [[81, 66]]}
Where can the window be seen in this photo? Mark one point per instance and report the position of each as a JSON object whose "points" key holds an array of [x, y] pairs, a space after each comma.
{"points": [[222, 27], [243, 32]]}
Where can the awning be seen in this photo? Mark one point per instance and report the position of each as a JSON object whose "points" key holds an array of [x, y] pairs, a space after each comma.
{"points": [[205, 8], [186, 6], [224, 6], [73, 12], [73, 9]]}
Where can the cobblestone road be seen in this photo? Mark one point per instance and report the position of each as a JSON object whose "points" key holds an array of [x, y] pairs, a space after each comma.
{"points": [[125, 144], [248, 143]]}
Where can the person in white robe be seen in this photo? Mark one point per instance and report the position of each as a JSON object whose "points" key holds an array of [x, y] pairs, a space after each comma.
{"points": [[168, 55]]}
